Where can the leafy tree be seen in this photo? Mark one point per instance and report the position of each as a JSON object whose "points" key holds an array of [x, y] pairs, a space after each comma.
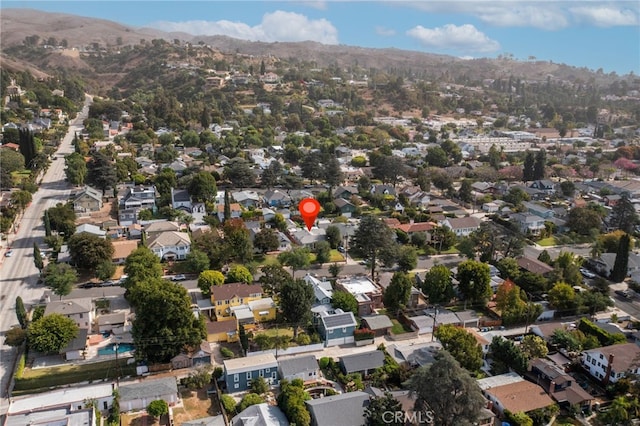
{"points": [[51, 333], [475, 279], [389, 169], [297, 258], [239, 172], [21, 313], [199, 378], [203, 187], [296, 299], [567, 188], [20, 199], [396, 295], [47, 224], [158, 408], [37, 257], [76, 169], [332, 173], [528, 172], [508, 268], [102, 172], [461, 345], [197, 261], [211, 243], [259, 385], [507, 355], [563, 297], [582, 220], [333, 236], [545, 257], [239, 274], [11, 161], [244, 339], [161, 334], [437, 157], [291, 401], [266, 240], [533, 347], [620, 266], [88, 250], [458, 400], [60, 277], [142, 265], [407, 258], [371, 240], [15, 336], [593, 301], [345, 301], [518, 419], [312, 166], [105, 270], [623, 215], [465, 192], [540, 164], [377, 412], [208, 279], [334, 270], [229, 404], [323, 252], [270, 176], [237, 241], [438, 285], [273, 278]]}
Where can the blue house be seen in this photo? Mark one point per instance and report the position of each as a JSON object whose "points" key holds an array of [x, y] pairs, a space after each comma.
{"points": [[239, 372], [337, 327]]}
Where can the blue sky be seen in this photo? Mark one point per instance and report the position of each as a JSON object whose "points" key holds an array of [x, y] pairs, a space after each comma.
{"points": [[595, 34]]}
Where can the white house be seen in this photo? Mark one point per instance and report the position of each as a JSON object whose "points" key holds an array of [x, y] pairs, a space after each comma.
{"points": [[73, 397], [170, 245], [137, 396], [78, 310], [610, 363], [462, 226]]}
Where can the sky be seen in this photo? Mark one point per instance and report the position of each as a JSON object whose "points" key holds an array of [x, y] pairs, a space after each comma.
{"points": [[592, 34]]}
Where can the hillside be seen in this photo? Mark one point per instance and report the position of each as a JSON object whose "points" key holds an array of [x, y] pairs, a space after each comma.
{"points": [[17, 24]]}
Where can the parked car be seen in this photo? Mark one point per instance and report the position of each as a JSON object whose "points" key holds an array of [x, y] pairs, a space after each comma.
{"points": [[179, 277], [624, 293], [89, 284], [9, 253], [109, 283], [587, 273]]}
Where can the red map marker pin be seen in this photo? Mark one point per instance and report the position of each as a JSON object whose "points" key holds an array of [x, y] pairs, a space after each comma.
{"points": [[309, 210]]}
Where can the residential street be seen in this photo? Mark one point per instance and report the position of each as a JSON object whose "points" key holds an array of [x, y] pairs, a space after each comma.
{"points": [[18, 273]]}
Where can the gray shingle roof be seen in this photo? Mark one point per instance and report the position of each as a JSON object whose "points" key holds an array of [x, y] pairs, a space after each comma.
{"points": [[346, 409], [149, 389], [363, 361], [299, 364], [378, 322]]}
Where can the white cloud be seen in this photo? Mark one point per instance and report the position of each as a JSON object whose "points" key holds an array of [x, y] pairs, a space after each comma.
{"points": [[465, 38], [542, 14], [386, 32], [606, 16], [275, 26]]}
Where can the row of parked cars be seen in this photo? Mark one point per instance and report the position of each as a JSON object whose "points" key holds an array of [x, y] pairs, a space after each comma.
{"points": [[112, 283]]}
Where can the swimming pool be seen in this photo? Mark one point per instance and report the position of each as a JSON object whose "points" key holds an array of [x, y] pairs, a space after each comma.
{"points": [[111, 349]]}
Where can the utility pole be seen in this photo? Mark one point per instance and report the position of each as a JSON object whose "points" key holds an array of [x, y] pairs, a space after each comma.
{"points": [[117, 367]]}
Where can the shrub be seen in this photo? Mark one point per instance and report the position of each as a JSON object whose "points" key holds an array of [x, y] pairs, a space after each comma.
{"points": [[158, 408], [21, 364], [227, 353], [303, 339], [363, 334], [325, 362], [229, 404]]}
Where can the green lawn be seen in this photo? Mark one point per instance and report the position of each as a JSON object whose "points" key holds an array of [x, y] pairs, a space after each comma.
{"points": [[273, 332], [336, 256], [452, 250], [547, 242], [18, 177], [399, 328], [43, 378]]}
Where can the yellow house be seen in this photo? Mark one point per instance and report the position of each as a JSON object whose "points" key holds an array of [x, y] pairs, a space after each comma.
{"points": [[227, 296], [222, 331], [263, 309]]}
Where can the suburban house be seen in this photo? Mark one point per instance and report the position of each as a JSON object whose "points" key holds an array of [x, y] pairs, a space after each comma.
{"points": [[345, 409], [78, 310], [137, 396], [222, 331], [337, 327], [304, 367], [170, 246], [366, 292], [76, 348], [201, 356], [235, 208], [88, 228], [239, 372], [277, 198], [534, 266], [560, 386], [528, 224], [156, 227], [511, 392], [139, 197], [246, 198], [345, 207], [181, 200], [322, 289], [381, 325], [546, 186], [462, 226], [363, 363], [226, 296], [258, 414], [87, 200], [112, 323], [611, 363], [122, 249]]}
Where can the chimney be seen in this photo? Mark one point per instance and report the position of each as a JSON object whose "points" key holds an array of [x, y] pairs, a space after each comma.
{"points": [[490, 405], [607, 374], [552, 387]]}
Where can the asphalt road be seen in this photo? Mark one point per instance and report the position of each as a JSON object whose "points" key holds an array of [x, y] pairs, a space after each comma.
{"points": [[18, 273]]}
